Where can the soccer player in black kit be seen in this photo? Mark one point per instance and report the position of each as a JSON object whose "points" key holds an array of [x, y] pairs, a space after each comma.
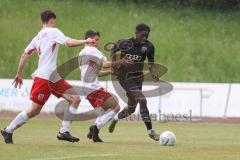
{"points": [[131, 77]]}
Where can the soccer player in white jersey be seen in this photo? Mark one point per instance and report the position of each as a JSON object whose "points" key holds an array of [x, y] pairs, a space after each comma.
{"points": [[91, 60], [46, 81]]}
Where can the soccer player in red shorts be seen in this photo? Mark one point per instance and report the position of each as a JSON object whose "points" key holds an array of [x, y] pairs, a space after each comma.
{"points": [[46, 81], [91, 61]]}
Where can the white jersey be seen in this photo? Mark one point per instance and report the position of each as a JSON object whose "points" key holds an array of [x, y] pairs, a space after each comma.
{"points": [[90, 59], [46, 43]]}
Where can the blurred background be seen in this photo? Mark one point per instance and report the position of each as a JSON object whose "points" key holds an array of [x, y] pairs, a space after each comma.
{"points": [[197, 40]]}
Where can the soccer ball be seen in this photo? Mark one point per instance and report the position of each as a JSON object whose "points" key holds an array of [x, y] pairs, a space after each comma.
{"points": [[167, 138]]}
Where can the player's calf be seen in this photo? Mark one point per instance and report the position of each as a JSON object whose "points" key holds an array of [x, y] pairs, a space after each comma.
{"points": [[33, 111], [111, 108], [74, 100], [147, 120]]}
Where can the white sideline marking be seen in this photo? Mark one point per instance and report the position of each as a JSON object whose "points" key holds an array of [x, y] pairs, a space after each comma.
{"points": [[77, 156]]}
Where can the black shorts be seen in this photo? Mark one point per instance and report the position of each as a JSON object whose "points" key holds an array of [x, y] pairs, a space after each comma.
{"points": [[133, 88]]}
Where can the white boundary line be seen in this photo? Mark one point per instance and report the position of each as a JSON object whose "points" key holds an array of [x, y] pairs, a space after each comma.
{"points": [[77, 156]]}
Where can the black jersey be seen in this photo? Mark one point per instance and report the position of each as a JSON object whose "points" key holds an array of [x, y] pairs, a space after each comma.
{"points": [[137, 53]]}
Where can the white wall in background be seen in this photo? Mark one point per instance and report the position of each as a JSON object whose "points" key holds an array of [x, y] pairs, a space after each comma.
{"points": [[203, 99]]}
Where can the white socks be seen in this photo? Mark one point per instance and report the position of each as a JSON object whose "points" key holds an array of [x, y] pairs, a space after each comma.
{"points": [[116, 117], [17, 122], [103, 119], [68, 119], [22, 118]]}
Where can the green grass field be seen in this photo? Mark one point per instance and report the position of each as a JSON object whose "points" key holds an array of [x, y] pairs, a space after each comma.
{"points": [[37, 141], [195, 45]]}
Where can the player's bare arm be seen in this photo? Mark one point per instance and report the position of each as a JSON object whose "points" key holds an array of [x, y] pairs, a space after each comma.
{"points": [[153, 72], [18, 78], [123, 61], [104, 72], [114, 59], [76, 42], [101, 72]]}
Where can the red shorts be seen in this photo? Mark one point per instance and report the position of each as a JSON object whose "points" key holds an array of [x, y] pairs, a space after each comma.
{"points": [[42, 89], [98, 97]]}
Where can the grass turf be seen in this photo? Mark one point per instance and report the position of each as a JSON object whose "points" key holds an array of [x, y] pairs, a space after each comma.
{"points": [[196, 45], [37, 141]]}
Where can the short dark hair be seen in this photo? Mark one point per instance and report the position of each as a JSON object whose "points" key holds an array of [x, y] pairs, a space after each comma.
{"points": [[142, 27], [47, 15], [91, 34]]}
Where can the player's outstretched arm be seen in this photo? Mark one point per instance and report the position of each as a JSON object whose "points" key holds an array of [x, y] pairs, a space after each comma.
{"points": [[123, 61], [76, 42], [104, 72], [18, 79]]}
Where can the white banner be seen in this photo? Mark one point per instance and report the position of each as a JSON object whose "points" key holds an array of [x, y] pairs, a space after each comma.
{"points": [[201, 99]]}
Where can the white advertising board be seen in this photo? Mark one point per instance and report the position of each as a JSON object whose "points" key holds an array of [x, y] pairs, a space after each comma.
{"points": [[203, 99]]}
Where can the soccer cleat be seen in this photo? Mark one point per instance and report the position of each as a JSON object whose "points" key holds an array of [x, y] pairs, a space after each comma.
{"points": [[153, 135], [112, 126], [66, 136], [93, 134], [7, 136]]}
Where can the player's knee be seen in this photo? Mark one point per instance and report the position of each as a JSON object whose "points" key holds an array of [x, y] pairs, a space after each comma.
{"points": [[33, 112], [142, 101], [76, 100], [117, 108]]}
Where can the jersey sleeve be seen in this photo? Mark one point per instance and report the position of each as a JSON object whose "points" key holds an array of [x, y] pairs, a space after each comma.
{"points": [[150, 53], [31, 47], [60, 37]]}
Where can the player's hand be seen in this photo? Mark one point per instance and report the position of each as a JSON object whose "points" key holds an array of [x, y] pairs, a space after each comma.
{"points": [[17, 81], [114, 71], [90, 40], [126, 62], [155, 78]]}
